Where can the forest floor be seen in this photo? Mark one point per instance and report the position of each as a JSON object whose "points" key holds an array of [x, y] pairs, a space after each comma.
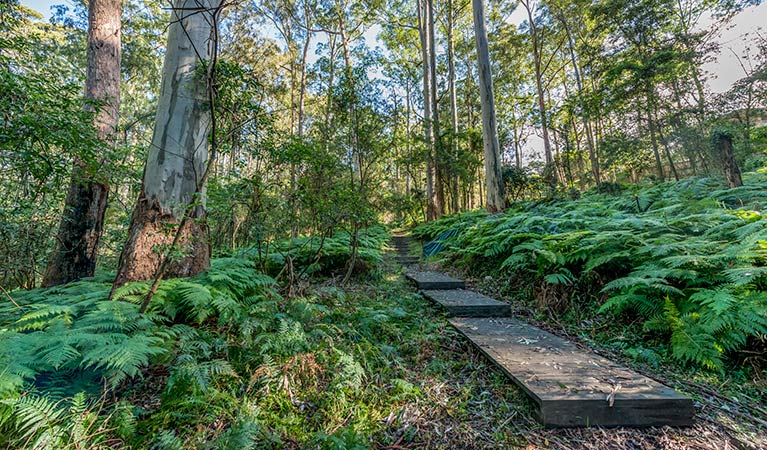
{"points": [[368, 364], [726, 414]]}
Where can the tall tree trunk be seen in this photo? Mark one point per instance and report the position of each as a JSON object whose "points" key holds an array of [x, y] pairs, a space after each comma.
{"points": [[82, 221], [356, 155], [453, 102], [331, 75], [407, 136], [549, 171], [428, 122], [593, 158], [493, 180], [302, 86], [439, 163], [655, 149], [176, 163], [659, 128]]}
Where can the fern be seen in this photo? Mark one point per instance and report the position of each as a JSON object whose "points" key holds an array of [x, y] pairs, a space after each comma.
{"points": [[690, 248]]}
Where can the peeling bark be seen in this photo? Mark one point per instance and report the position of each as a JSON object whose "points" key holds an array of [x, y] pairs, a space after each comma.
{"points": [[173, 175]]}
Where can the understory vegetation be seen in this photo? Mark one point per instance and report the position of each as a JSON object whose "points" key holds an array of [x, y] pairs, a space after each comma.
{"points": [[682, 265], [220, 360]]}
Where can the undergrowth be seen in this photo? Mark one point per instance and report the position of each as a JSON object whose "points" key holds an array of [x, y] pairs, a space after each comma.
{"points": [[320, 254], [223, 360], [687, 259], [220, 360]]}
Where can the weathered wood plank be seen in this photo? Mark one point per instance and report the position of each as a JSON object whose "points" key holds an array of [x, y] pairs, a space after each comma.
{"points": [[434, 280], [572, 387], [408, 259], [463, 303]]}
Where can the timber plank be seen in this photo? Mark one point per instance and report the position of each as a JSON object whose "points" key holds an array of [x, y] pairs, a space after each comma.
{"points": [[434, 280], [408, 259], [464, 303], [572, 387]]}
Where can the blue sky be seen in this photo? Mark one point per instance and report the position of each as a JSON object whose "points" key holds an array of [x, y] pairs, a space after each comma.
{"points": [[43, 6]]}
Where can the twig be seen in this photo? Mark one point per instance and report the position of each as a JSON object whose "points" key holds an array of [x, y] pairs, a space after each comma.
{"points": [[11, 299]]}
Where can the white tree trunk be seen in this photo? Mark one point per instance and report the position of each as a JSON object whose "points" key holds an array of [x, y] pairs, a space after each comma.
{"points": [[178, 156], [453, 102], [428, 122], [493, 181], [179, 150]]}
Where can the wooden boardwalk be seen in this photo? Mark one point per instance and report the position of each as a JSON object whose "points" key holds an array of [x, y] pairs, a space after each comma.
{"points": [[403, 255], [434, 281], [463, 303], [570, 387]]}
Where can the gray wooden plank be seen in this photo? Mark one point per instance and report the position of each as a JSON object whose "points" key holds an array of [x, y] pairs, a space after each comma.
{"points": [[434, 280], [570, 386], [408, 259], [464, 303]]}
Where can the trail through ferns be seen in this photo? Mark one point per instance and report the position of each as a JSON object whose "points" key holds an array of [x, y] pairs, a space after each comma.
{"points": [[682, 265], [228, 359]]}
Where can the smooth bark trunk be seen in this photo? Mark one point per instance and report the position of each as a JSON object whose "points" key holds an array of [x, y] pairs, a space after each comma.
{"points": [[549, 171], [440, 174], [493, 180], [177, 161], [593, 158], [428, 122], [453, 103]]}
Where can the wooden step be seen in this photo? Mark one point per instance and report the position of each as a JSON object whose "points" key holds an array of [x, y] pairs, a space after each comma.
{"points": [[408, 259], [463, 303], [572, 387], [434, 281]]}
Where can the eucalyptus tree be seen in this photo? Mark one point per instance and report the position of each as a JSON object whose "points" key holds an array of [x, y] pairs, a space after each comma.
{"points": [[401, 66], [430, 115], [515, 94], [579, 38], [46, 124], [495, 201], [453, 94], [167, 234], [82, 222], [639, 62], [540, 64]]}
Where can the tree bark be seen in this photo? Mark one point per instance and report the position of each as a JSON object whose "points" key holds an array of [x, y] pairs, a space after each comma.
{"points": [[453, 103], [428, 122], [439, 157], [653, 135], [593, 158], [82, 221], [493, 180], [723, 141], [302, 86], [549, 171], [176, 163], [356, 156]]}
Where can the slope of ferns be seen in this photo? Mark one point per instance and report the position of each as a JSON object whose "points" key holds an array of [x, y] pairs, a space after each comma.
{"points": [[68, 352], [687, 258]]}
